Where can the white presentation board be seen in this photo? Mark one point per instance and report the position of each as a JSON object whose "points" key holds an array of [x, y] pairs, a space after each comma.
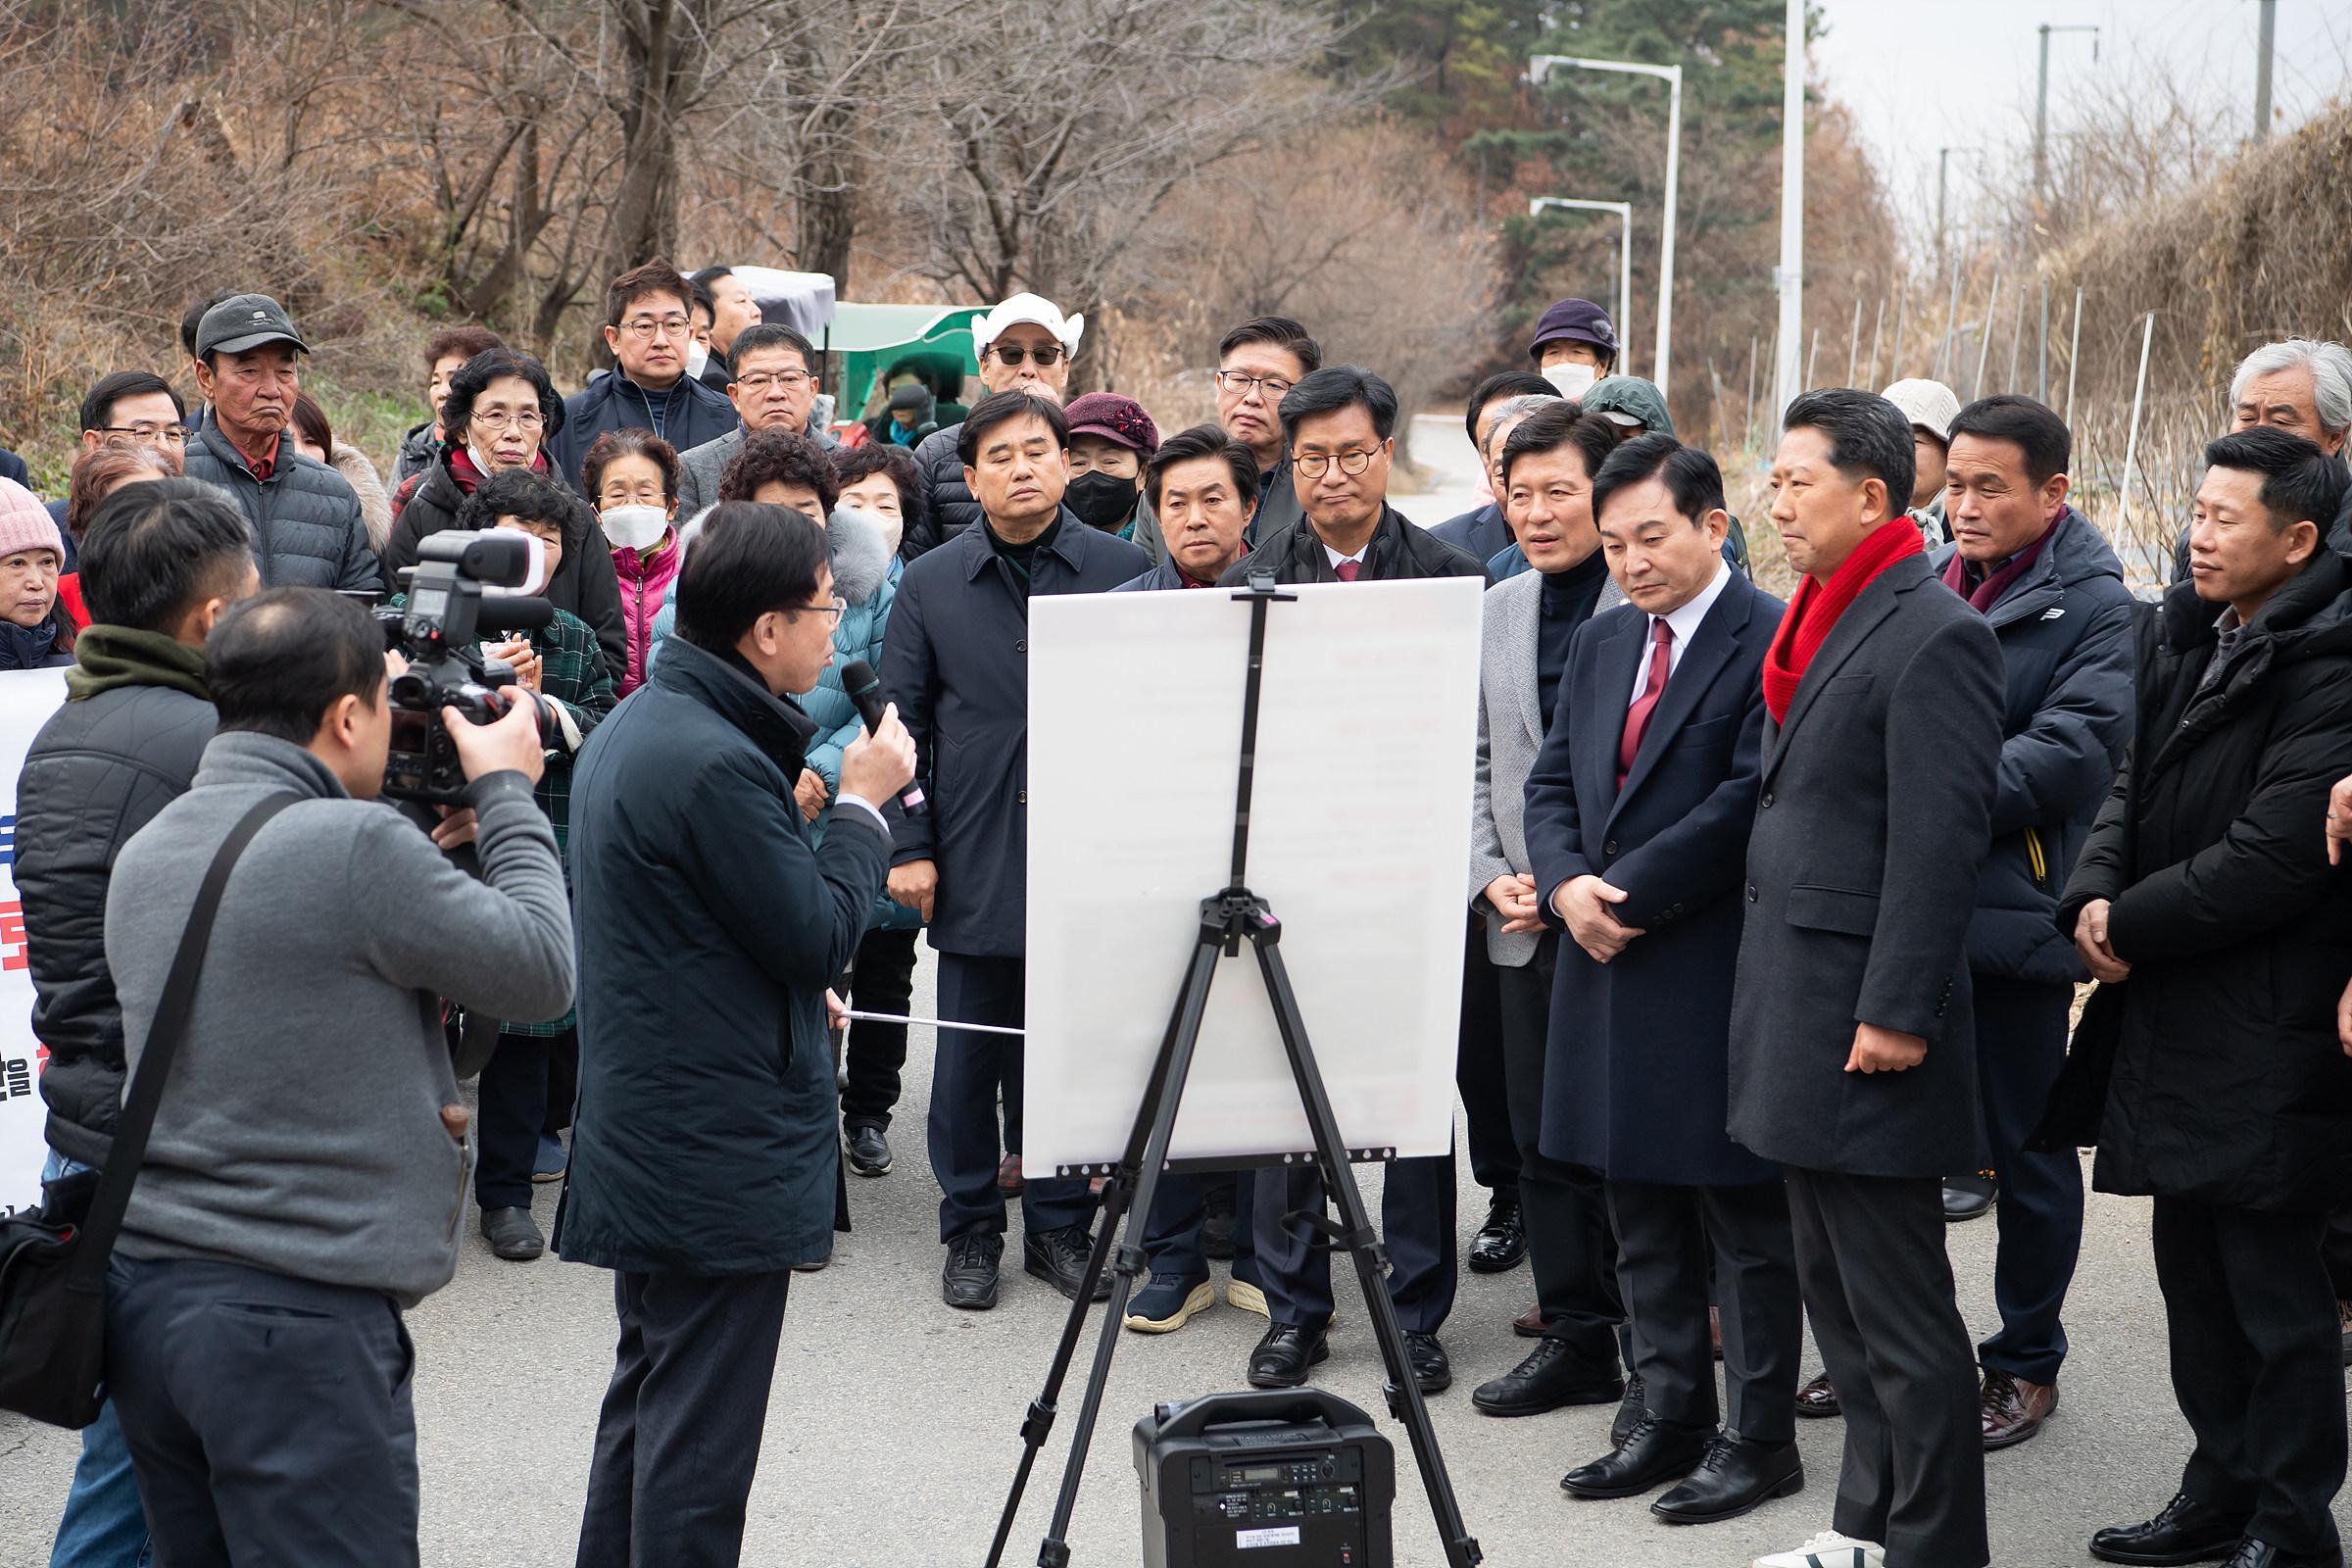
{"points": [[27, 699], [1359, 840]]}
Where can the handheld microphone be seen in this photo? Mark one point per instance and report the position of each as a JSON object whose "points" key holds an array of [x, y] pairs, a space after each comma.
{"points": [[865, 688]]}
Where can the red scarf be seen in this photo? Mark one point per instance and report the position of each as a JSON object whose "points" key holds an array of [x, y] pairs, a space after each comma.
{"points": [[1814, 609]]}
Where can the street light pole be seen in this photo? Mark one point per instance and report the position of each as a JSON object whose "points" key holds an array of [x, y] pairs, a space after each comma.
{"points": [[1786, 374], [2041, 105], [1625, 262], [1541, 66]]}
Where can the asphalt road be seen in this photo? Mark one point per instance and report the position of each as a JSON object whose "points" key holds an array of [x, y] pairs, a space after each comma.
{"points": [[893, 1421]]}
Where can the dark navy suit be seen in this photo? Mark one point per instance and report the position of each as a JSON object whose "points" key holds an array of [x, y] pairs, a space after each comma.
{"points": [[957, 662], [1636, 1074]]}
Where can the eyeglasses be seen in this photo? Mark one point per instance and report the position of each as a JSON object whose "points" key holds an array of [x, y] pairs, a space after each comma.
{"points": [[648, 326], [761, 381], [170, 435], [1011, 354], [832, 612], [526, 420], [1269, 387], [1351, 463]]}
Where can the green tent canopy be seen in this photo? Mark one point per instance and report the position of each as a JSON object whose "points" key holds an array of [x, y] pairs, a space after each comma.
{"points": [[871, 338]]}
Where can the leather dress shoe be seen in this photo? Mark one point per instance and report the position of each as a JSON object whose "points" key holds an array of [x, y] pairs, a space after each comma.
{"points": [[2186, 1531], [1969, 1196], [869, 1152], [1818, 1398], [1654, 1453], [1284, 1353], [1552, 1375], [2011, 1410], [970, 1279], [1630, 1410], [1736, 1477], [1530, 1325], [2252, 1554], [1500, 1243], [1431, 1367], [513, 1233], [1060, 1258]]}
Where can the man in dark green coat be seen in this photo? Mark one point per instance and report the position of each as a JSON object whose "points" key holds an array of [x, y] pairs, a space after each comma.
{"points": [[704, 1159]]}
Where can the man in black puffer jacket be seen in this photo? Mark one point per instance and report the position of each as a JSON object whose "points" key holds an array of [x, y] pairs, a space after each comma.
{"points": [[159, 562], [2205, 902], [2053, 592], [305, 520]]}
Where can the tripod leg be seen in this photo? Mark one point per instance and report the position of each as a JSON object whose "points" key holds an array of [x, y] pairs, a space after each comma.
{"points": [[1461, 1548], [1138, 1175]]}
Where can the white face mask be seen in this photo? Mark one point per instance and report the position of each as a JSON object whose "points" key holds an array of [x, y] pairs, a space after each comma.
{"points": [[1573, 380], [892, 529], [634, 527]]}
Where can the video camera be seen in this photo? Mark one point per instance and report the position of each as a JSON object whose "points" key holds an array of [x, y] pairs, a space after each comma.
{"points": [[438, 634]]}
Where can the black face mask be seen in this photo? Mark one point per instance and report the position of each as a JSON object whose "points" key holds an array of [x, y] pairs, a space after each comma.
{"points": [[1101, 499]]}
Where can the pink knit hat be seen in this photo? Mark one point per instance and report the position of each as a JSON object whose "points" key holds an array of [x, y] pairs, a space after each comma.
{"points": [[25, 522]]}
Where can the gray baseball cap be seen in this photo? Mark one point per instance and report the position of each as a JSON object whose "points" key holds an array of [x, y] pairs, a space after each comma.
{"points": [[244, 321]]}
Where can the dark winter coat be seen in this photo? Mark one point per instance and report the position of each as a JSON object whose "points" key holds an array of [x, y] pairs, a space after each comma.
{"points": [[1398, 549], [957, 662], [613, 402], [704, 1140], [584, 582], [122, 749], [307, 529], [2230, 1086], [1871, 827], [1636, 1071], [1480, 531], [419, 450], [2065, 629], [952, 508]]}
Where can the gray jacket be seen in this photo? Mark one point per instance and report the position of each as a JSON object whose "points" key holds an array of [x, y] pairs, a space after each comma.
{"points": [[698, 470], [307, 529], [301, 1130], [1510, 732]]}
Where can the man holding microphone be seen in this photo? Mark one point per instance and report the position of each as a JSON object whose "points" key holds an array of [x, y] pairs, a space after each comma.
{"points": [[704, 1162]]}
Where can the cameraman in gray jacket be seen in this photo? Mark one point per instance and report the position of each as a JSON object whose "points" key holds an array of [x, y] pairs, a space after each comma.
{"points": [[306, 1174]]}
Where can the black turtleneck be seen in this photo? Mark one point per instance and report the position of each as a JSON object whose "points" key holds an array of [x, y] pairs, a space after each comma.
{"points": [[1568, 600], [1021, 558]]}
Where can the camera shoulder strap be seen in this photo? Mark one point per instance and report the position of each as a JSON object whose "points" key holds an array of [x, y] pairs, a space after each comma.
{"points": [[129, 1147]]}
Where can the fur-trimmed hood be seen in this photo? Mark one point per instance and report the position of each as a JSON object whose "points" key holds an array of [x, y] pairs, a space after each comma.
{"points": [[860, 556]]}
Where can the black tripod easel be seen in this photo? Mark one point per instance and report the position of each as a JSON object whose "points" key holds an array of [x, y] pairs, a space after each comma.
{"points": [[1227, 918]]}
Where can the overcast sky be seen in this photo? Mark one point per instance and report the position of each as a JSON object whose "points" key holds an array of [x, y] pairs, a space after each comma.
{"points": [[1920, 74]]}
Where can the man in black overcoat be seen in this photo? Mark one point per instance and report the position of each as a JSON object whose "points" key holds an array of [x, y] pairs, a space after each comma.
{"points": [[2207, 895], [1639, 813], [957, 662], [1851, 1062], [1340, 424]]}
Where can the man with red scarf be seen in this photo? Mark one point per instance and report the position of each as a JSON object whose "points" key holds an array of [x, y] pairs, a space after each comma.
{"points": [[1853, 1044]]}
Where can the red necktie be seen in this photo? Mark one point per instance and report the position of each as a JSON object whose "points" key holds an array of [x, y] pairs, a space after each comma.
{"points": [[1637, 718], [1348, 569]]}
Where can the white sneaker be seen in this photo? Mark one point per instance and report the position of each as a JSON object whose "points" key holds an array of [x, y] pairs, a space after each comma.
{"points": [[1829, 1549]]}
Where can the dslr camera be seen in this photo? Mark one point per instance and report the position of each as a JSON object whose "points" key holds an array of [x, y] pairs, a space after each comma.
{"points": [[439, 634]]}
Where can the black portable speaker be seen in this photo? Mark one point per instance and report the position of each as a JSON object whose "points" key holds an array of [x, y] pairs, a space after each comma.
{"points": [[1274, 1478]]}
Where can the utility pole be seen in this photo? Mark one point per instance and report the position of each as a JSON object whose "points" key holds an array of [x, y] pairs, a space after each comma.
{"points": [[2262, 69], [1943, 171], [2041, 106], [1787, 371]]}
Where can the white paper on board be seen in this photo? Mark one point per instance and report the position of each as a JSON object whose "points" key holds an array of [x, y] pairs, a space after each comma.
{"points": [[1359, 840]]}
